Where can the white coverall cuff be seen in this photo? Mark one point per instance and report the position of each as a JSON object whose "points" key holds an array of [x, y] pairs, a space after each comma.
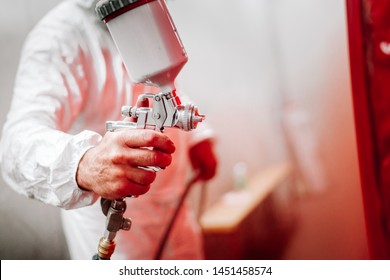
{"points": [[71, 194]]}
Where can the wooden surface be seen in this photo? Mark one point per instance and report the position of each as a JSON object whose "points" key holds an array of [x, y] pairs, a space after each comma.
{"points": [[235, 207], [250, 224]]}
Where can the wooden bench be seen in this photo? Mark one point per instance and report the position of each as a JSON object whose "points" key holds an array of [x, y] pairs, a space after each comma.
{"points": [[241, 222]]}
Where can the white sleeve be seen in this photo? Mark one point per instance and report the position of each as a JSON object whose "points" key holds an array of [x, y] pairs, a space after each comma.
{"points": [[38, 158]]}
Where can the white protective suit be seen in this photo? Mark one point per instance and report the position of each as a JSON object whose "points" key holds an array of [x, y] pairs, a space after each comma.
{"points": [[69, 83]]}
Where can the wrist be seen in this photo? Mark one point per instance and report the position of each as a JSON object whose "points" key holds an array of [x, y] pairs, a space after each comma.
{"points": [[81, 176]]}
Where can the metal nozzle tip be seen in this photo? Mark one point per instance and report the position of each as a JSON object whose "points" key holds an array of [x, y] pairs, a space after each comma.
{"points": [[126, 111]]}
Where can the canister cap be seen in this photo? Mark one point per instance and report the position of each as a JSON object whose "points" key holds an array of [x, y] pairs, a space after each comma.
{"points": [[109, 9]]}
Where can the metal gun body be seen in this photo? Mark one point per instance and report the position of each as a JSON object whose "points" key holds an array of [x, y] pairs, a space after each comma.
{"points": [[167, 111]]}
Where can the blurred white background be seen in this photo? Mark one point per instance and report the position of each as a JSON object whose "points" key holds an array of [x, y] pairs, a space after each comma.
{"points": [[272, 77]]}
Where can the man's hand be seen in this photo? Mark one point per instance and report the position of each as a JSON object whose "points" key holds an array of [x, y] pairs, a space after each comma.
{"points": [[111, 169], [203, 160]]}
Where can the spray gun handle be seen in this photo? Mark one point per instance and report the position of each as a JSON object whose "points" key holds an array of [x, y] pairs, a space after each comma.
{"points": [[114, 210]]}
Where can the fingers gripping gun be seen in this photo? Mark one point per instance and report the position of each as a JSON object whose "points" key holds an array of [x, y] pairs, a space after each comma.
{"points": [[153, 54]]}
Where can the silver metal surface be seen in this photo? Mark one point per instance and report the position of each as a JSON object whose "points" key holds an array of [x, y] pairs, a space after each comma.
{"points": [[115, 220], [166, 112]]}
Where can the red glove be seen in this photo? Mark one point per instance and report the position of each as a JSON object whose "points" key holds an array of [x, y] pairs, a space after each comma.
{"points": [[204, 160]]}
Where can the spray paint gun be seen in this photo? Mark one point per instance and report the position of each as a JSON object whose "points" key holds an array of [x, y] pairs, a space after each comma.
{"points": [[153, 54]]}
